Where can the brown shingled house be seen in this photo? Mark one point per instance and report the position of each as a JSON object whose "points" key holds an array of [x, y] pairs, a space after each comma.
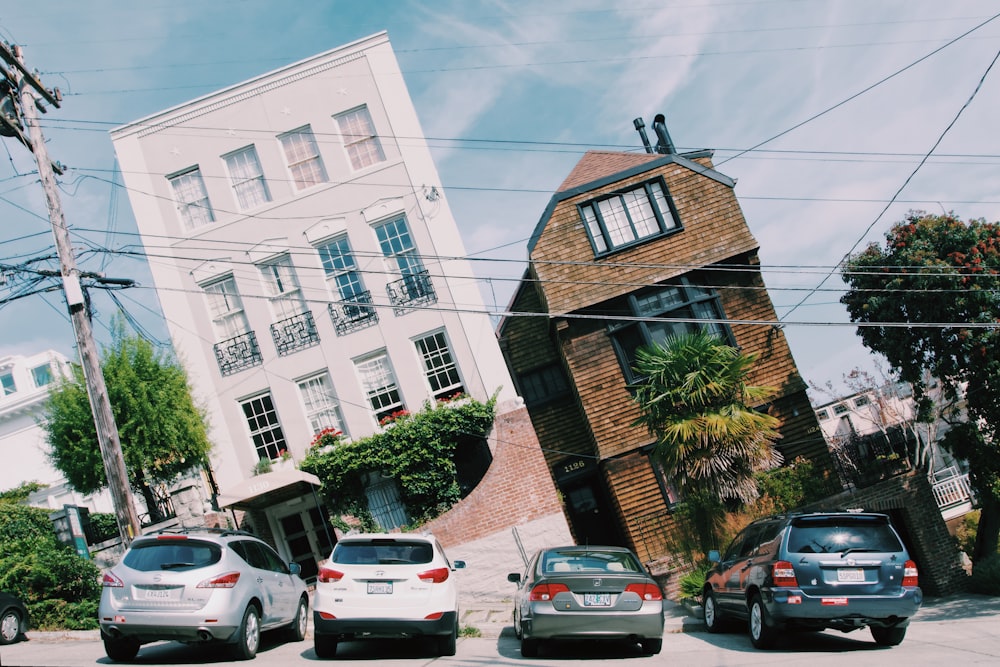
{"points": [[634, 247]]}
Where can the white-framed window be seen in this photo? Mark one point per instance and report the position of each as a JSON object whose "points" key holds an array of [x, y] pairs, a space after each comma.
{"points": [[321, 404], [42, 375], [191, 198], [341, 270], [629, 216], [360, 141], [397, 246], [282, 288], [7, 384], [226, 308], [247, 178], [265, 429], [302, 156], [379, 384], [440, 368]]}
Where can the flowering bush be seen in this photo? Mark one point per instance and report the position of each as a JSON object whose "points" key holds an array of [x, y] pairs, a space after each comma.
{"points": [[328, 437], [389, 419]]}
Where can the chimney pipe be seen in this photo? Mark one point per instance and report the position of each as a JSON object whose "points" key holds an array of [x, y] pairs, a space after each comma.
{"points": [[664, 144], [641, 127]]}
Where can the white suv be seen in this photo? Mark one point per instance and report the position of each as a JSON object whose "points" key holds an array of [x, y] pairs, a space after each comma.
{"points": [[386, 585]]}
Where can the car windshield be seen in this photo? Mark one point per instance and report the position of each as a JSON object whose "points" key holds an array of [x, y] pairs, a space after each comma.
{"points": [[382, 552], [172, 555], [585, 560], [842, 535]]}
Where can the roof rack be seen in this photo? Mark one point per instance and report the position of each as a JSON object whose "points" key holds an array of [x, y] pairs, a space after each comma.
{"points": [[224, 532]]}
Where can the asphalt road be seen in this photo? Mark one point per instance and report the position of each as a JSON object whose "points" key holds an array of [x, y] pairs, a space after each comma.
{"points": [[959, 631]]}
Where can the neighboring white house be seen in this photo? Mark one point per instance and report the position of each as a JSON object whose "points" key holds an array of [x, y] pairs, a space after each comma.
{"points": [[308, 266], [24, 389]]}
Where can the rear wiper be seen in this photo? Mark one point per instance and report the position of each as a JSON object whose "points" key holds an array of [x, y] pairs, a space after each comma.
{"points": [[173, 566], [854, 549]]}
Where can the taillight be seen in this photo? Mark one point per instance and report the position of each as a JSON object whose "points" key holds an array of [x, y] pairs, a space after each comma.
{"points": [[111, 580], [910, 574], [783, 574], [326, 575], [545, 592], [434, 617], [327, 616], [645, 591], [227, 580], [436, 576]]}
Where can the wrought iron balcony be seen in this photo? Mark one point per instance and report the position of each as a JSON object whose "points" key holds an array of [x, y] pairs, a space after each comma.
{"points": [[410, 291], [353, 314], [238, 353], [294, 333]]}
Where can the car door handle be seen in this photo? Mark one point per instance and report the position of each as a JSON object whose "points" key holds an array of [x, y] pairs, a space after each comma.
{"points": [[260, 580]]}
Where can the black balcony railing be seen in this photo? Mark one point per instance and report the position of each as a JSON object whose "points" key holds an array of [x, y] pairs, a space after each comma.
{"points": [[353, 314], [294, 333], [238, 353], [410, 291], [863, 460]]}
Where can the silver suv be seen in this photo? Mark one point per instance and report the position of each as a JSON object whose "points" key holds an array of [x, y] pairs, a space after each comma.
{"points": [[200, 585]]}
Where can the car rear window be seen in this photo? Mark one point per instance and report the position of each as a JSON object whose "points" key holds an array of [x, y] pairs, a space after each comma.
{"points": [[589, 561], [840, 534], [383, 552], [172, 554]]}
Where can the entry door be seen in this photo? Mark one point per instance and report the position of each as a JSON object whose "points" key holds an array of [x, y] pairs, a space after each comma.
{"points": [[590, 513], [309, 539]]}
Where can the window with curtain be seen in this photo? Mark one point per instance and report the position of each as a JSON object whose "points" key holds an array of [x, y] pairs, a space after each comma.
{"points": [[379, 383], [247, 178], [191, 198], [630, 216], [226, 308], [302, 157], [360, 141], [321, 404], [282, 288]]}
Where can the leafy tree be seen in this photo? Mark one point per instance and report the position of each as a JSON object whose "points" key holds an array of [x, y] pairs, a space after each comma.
{"points": [[162, 432], [941, 276], [697, 403]]}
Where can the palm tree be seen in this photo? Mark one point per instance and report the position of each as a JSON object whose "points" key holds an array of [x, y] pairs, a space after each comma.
{"points": [[696, 401]]}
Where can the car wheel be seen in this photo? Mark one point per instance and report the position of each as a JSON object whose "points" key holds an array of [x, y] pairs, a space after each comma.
{"points": [[713, 615], [121, 649], [448, 644], [517, 628], [325, 646], [529, 647], [888, 636], [762, 635], [10, 627], [297, 629], [248, 636], [651, 646]]}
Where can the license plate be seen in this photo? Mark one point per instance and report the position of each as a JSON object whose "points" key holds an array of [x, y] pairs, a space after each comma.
{"points": [[596, 599], [851, 575], [158, 594], [379, 587]]}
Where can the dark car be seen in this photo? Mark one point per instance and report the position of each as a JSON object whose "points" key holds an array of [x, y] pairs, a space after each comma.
{"points": [[587, 592], [839, 570], [13, 619]]}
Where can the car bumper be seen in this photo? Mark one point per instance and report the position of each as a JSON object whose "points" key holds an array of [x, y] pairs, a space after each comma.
{"points": [[384, 627], [792, 606], [157, 627], [545, 622]]}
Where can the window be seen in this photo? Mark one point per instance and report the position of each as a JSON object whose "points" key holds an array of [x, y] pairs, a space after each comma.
{"points": [[247, 178], [42, 375], [542, 385], [226, 308], [439, 366], [628, 217], [684, 305], [379, 384], [840, 409], [302, 156], [192, 198], [397, 247], [341, 269], [282, 288], [7, 386], [360, 141], [861, 401], [823, 415], [265, 431], [322, 407]]}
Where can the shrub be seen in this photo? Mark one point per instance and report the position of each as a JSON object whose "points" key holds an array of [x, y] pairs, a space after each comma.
{"points": [[965, 533], [693, 583], [986, 576], [63, 615], [103, 526]]}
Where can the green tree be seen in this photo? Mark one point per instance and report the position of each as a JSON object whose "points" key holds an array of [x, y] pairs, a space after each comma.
{"points": [[941, 277], [162, 431], [697, 403]]}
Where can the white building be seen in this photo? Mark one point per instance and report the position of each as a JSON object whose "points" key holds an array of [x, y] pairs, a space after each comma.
{"points": [[24, 389], [308, 266]]}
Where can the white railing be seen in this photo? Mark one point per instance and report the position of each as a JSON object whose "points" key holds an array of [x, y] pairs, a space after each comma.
{"points": [[952, 491]]}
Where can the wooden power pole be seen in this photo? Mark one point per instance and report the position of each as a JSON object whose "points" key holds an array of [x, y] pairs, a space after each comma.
{"points": [[28, 88]]}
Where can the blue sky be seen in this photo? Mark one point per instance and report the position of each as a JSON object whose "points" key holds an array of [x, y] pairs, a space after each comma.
{"points": [[836, 117]]}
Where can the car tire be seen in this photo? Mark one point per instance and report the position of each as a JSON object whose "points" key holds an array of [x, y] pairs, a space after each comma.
{"points": [[297, 629], [248, 635], [762, 635], [325, 646], [517, 628], [10, 627], [714, 621], [529, 647], [888, 636], [651, 646], [448, 644], [120, 649]]}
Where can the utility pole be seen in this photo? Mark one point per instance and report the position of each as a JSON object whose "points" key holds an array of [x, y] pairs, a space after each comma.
{"points": [[28, 87]]}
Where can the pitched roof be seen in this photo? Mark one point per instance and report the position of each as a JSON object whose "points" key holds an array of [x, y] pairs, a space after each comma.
{"points": [[595, 165]]}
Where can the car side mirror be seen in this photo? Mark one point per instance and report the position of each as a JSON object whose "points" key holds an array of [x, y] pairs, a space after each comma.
{"points": [[713, 556], [294, 568], [514, 577], [458, 565]]}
